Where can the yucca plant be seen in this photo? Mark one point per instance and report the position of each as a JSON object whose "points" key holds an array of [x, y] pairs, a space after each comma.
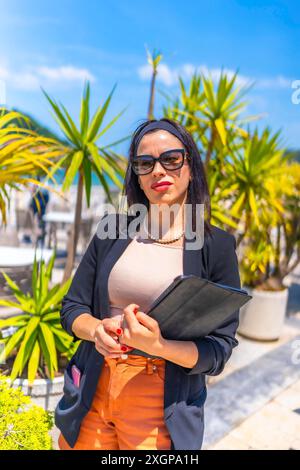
{"points": [[219, 195], [85, 157], [254, 189], [23, 155], [288, 231], [187, 107], [272, 249], [258, 255], [256, 175], [222, 108], [38, 336], [211, 112]]}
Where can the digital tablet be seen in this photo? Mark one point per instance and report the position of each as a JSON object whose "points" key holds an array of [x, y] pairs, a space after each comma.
{"points": [[192, 307]]}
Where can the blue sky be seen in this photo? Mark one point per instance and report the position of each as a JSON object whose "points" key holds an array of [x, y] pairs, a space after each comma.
{"points": [[56, 44]]}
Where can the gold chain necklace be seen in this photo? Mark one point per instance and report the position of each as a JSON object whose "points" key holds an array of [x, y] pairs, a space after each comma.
{"points": [[164, 241]]}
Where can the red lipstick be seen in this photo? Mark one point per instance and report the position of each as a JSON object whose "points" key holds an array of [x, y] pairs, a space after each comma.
{"points": [[161, 186]]}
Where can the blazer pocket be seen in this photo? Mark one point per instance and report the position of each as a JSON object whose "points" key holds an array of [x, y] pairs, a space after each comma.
{"points": [[72, 395], [198, 399]]}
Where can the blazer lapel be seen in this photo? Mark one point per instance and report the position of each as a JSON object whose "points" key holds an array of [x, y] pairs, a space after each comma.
{"points": [[192, 261]]}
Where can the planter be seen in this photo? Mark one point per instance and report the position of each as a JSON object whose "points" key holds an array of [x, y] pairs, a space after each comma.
{"points": [[45, 392], [263, 317]]}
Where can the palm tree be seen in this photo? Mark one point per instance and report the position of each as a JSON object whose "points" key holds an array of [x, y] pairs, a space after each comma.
{"points": [[34, 124], [85, 157], [154, 60]]}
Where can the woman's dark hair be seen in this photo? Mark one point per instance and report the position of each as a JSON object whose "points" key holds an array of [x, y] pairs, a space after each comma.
{"points": [[198, 192]]}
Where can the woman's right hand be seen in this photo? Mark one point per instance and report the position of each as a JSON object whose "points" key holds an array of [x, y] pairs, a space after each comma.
{"points": [[105, 336]]}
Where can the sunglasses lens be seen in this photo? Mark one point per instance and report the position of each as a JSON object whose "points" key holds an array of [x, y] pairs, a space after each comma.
{"points": [[142, 165], [172, 160]]}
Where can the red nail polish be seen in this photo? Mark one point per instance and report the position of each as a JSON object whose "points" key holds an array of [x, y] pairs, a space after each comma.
{"points": [[119, 331], [135, 311], [123, 348]]}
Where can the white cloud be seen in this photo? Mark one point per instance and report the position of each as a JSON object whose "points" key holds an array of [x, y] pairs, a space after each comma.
{"points": [[24, 81], [144, 72], [31, 78], [69, 73], [169, 76]]}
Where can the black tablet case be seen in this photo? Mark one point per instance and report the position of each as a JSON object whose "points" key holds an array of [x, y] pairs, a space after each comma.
{"points": [[192, 307]]}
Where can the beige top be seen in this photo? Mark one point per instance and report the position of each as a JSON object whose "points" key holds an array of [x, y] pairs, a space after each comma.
{"points": [[143, 271]]}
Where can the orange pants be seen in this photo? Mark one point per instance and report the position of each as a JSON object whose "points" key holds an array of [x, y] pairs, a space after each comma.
{"points": [[127, 411]]}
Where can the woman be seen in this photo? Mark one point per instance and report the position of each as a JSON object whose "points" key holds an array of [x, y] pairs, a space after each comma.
{"points": [[151, 401]]}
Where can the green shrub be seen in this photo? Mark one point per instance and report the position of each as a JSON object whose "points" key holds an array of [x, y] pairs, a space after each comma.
{"points": [[23, 425]]}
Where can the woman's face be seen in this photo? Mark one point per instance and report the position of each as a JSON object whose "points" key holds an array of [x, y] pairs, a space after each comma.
{"points": [[155, 143]]}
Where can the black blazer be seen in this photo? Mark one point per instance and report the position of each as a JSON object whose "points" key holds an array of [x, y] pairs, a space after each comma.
{"points": [[185, 389]]}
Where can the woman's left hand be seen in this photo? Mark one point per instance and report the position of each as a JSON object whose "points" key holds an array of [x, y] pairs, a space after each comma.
{"points": [[140, 331]]}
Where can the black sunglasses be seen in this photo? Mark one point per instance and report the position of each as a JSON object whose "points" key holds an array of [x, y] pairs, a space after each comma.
{"points": [[170, 160]]}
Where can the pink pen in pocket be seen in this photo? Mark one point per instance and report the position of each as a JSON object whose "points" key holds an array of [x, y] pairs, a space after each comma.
{"points": [[76, 375]]}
